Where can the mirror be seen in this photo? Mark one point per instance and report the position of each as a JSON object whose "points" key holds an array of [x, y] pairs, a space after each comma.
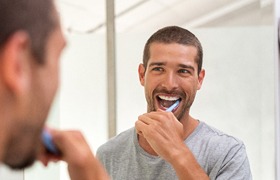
{"points": [[237, 96]]}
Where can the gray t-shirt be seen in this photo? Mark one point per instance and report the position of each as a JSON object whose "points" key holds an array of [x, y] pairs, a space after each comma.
{"points": [[222, 157]]}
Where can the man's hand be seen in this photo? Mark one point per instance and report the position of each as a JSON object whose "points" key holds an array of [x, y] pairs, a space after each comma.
{"points": [[165, 135], [82, 165], [163, 132]]}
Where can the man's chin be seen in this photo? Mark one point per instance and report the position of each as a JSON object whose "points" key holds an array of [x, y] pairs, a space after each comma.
{"points": [[22, 164]]}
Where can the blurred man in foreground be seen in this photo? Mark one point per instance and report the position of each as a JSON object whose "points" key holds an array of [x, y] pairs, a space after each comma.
{"points": [[31, 42]]}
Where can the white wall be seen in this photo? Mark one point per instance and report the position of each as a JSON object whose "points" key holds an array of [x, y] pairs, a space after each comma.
{"points": [[7, 174], [83, 102]]}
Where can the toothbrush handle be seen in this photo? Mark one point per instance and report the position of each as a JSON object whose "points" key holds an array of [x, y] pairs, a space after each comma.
{"points": [[48, 143], [173, 106]]}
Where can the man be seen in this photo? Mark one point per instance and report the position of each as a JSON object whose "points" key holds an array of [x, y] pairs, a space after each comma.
{"points": [[31, 42], [173, 145]]}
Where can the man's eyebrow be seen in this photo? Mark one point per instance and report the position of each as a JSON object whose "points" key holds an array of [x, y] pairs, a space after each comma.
{"points": [[156, 64], [187, 66], [180, 65]]}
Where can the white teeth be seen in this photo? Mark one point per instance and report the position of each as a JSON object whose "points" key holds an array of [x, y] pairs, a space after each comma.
{"points": [[168, 98]]}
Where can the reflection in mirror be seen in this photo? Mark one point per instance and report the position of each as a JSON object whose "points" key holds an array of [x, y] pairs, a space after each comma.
{"points": [[237, 96]]}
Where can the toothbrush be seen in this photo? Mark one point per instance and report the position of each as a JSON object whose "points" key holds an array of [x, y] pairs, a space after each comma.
{"points": [[48, 143], [173, 106]]}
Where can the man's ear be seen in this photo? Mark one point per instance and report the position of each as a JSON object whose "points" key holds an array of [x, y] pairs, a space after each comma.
{"points": [[141, 73], [200, 78], [15, 63]]}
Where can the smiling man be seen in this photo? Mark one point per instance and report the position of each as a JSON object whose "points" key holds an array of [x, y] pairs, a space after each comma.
{"points": [[173, 145]]}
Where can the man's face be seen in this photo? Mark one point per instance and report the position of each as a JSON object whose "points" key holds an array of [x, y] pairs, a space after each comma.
{"points": [[26, 138], [171, 74]]}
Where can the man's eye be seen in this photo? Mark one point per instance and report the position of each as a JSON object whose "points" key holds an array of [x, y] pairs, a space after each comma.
{"points": [[184, 71], [157, 69]]}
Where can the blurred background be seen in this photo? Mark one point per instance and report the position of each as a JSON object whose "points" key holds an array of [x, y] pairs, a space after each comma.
{"points": [[100, 93]]}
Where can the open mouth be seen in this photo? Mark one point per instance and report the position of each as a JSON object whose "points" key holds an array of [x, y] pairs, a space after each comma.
{"points": [[165, 102]]}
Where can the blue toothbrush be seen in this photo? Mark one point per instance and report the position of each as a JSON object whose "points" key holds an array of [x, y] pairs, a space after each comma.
{"points": [[48, 142], [171, 108]]}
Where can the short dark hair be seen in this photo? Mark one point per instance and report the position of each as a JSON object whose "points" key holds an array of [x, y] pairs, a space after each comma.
{"points": [[174, 34], [35, 17]]}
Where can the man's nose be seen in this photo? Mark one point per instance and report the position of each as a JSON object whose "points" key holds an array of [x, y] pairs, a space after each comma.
{"points": [[170, 81]]}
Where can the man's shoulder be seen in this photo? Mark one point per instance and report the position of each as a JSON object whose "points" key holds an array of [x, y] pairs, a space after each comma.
{"points": [[217, 146], [216, 139], [216, 149], [216, 134]]}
